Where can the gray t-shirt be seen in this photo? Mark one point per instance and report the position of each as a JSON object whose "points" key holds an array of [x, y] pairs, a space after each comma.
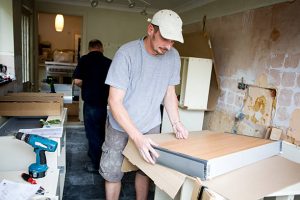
{"points": [[145, 79]]}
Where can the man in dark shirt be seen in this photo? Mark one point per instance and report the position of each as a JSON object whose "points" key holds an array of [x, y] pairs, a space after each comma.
{"points": [[90, 75]]}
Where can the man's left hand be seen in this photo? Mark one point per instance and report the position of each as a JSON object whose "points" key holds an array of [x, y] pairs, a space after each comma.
{"points": [[180, 131]]}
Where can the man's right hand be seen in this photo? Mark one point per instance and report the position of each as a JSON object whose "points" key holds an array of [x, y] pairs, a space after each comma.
{"points": [[144, 145]]}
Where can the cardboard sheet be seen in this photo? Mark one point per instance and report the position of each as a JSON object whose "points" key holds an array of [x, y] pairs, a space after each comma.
{"points": [[168, 180], [257, 180]]}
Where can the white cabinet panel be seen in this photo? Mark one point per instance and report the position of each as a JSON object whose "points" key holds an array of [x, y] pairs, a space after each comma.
{"points": [[195, 83], [192, 120]]}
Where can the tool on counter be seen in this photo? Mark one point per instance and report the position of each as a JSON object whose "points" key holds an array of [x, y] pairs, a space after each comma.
{"points": [[28, 178], [40, 145]]}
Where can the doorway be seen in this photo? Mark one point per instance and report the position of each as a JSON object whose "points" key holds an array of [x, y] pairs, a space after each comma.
{"points": [[58, 56]]}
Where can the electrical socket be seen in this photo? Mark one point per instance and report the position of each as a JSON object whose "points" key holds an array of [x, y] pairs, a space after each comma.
{"points": [[242, 85]]}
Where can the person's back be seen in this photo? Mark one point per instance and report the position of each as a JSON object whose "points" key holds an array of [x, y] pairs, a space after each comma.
{"points": [[90, 75], [95, 91]]}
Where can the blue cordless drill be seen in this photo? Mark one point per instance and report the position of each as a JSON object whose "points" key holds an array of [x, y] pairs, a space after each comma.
{"points": [[40, 145]]}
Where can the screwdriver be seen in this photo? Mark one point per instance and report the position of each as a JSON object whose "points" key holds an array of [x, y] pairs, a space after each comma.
{"points": [[28, 178]]}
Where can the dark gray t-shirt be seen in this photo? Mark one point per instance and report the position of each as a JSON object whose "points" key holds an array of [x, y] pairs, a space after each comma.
{"points": [[145, 79]]}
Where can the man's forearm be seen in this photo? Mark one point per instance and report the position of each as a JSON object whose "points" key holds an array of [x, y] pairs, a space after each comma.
{"points": [[171, 106]]}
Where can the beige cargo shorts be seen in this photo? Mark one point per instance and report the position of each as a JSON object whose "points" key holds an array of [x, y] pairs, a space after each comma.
{"points": [[112, 157]]}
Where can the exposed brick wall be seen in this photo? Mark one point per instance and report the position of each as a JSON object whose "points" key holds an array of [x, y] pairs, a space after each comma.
{"points": [[263, 41]]}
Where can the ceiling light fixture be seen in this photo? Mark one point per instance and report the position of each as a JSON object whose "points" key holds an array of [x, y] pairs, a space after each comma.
{"points": [[131, 3], [59, 22], [109, 1], [94, 3]]}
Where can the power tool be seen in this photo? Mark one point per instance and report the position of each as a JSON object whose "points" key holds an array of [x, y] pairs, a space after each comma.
{"points": [[40, 145]]}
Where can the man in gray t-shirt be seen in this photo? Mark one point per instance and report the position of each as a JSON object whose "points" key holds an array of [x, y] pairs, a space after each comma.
{"points": [[143, 74]]}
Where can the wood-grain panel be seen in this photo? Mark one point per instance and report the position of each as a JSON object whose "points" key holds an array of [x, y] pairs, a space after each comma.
{"points": [[208, 145]]}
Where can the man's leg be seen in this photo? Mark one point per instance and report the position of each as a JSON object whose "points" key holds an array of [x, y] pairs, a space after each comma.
{"points": [[91, 133], [94, 121], [112, 190], [141, 186], [111, 161]]}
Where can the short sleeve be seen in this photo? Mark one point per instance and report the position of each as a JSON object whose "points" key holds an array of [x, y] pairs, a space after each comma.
{"points": [[118, 74], [175, 78]]}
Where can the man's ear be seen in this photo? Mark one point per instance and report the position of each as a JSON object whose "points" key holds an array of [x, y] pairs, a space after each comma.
{"points": [[150, 29]]}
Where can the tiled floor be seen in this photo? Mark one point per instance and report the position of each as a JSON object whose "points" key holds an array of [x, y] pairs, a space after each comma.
{"points": [[82, 185]]}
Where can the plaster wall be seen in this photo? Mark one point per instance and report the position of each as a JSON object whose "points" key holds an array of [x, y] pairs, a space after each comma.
{"points": [[262, 46]]}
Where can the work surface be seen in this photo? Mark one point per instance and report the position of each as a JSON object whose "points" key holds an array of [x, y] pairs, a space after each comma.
{"points": [[208, 145], [220, 154], [208, 154]]}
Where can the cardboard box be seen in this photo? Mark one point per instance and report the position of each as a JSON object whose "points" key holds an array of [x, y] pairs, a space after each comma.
{"points": [[31, 104], [252, 181]]}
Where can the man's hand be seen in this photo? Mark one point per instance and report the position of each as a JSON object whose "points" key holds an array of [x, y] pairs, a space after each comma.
{"points": [[144, 145], [180, 131]]}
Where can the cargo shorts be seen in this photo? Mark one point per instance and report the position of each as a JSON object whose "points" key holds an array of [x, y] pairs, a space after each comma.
{"points": [[112, 157]]}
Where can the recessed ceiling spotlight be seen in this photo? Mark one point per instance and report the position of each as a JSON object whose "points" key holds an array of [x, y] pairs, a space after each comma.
{"points": [[109, 1], [94, 3], [131, 3]]}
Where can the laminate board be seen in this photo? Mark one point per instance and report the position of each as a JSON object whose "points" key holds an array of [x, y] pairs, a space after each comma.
{"points": [[207, 154]]}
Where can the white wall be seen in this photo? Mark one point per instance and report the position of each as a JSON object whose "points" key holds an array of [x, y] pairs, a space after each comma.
{"points": [[113, 28], [6, 24]]}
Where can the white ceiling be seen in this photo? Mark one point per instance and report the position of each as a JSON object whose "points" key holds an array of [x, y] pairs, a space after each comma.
{"points": [[152, 5]]}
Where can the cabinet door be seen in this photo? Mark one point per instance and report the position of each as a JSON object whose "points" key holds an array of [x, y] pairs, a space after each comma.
{"points": [[191, 119], [195, 83]]}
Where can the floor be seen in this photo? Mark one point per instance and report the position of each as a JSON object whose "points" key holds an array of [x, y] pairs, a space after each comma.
{"points": [[83, 185]]}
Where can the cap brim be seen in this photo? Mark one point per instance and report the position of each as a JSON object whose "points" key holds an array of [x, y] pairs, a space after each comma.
{"points": [[171, 35]]}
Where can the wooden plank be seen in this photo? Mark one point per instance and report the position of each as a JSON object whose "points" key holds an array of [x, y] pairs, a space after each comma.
{"points": [[30, 99], [31, 104], [35, 94], [30, 108]]}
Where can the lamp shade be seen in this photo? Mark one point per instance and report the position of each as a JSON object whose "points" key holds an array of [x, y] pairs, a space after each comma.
{"points": [[59, 23]]}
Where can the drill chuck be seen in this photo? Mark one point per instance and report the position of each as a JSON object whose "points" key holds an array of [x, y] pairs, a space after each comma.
{"points": [[22, 136]]}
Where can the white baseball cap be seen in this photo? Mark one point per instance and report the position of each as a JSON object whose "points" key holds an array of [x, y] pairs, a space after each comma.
{"points": [[169, 23]]}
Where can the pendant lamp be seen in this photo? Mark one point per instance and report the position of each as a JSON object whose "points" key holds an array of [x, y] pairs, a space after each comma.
{"points": [[59, 22]]}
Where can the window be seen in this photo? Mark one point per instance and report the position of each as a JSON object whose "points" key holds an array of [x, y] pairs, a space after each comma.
{"points": [[25, 48]]}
